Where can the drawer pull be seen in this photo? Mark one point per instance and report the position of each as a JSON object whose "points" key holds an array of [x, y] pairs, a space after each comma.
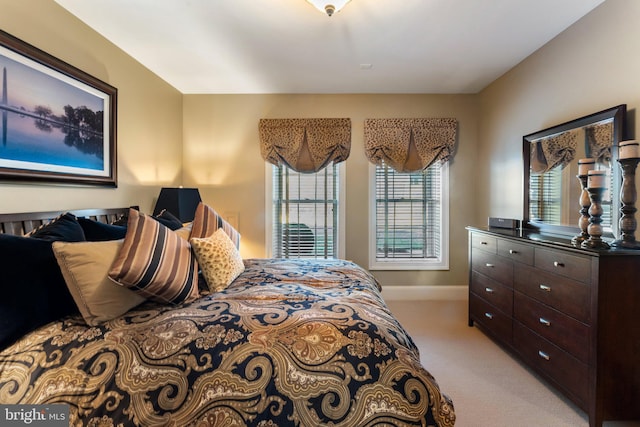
{"points": [[512, 252], [545, 288], [544, 355], [489, 265], [488, 290], [484, 243], [544, 321], [488, 316], [558, 264]]}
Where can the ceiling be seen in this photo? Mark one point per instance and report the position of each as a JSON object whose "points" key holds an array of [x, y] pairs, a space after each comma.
{"points": [[288, 46]]}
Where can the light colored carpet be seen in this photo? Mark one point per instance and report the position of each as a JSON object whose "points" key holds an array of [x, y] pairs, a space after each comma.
{"points": [[487, 385]]}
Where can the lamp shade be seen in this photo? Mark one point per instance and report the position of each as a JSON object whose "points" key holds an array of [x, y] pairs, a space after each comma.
{"points": [[181, 202]]}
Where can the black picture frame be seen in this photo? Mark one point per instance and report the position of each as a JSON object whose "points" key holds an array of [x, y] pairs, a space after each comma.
{"points": [[57, 123]]}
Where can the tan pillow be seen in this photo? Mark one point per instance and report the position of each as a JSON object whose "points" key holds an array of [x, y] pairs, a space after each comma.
{"points": [[218, 258], [156, 262], [84, 266]]}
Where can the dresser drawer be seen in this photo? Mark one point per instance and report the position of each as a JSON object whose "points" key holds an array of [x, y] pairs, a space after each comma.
{"points": [[484, 242], [494, 266], [564, 331], [494, 321], [515, 251], [568, 372], [492, 292], [563, 294], [565, 264]]}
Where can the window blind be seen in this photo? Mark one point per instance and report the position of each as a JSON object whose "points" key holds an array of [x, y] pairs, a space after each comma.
{"points": [[408, 213], [305, 213]]}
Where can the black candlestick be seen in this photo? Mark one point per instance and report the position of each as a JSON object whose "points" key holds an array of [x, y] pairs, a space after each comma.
{"points": [[583, 221], [595, 218], [628, 196]]}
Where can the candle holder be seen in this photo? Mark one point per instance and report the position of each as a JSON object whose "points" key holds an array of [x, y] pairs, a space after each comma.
{"points": [[595, 218], [583, 221], [628, 196]]}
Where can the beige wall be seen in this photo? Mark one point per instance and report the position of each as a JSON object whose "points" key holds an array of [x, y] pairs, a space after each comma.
{"points": [[222, 158], [149, 130], [593, 65]]}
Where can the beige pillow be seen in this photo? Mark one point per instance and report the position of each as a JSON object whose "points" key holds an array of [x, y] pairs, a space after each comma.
{"points": [[218, 258], [84, 266]]}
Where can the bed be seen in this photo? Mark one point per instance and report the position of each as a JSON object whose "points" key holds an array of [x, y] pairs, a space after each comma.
{"points": [[284, 342]]}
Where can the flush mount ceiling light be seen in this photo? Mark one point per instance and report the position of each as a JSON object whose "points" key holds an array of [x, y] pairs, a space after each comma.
{"points": [[329, 7]]}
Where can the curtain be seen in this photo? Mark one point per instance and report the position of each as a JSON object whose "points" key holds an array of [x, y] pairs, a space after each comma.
{"points": [[600, 140], [305, 145], [409, 145], [558, 150]]}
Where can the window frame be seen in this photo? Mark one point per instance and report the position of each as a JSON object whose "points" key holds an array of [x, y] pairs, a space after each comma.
{"points": [[340, 250], [441, 263]]}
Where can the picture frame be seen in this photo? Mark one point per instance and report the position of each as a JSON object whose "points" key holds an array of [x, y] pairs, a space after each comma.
{"points": [[57, 123]]}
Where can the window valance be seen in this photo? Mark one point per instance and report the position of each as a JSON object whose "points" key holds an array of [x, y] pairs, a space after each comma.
{"points": [[305, 145], [409, 145], [554, 151], [600, 140]]}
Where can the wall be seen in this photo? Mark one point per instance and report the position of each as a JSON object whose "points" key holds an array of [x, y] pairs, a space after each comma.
{"points": [[593, 65], [149, 123], [222, 158]]}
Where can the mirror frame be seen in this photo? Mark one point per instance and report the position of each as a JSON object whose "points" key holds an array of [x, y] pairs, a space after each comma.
{"points": [[618, 115]]}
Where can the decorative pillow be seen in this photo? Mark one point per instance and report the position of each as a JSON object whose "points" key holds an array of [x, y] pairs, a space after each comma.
{"points": [[84, 266], [218, 258], [206, 221], [95, 231], [64, 227], [155, 262], [34, 292], [169, 220]]}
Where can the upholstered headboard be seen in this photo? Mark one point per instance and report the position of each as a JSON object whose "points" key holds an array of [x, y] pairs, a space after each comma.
{"points": [[21, 223]]}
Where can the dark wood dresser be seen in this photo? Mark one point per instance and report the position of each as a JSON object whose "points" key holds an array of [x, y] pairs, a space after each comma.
{"points": [[572, 315]]}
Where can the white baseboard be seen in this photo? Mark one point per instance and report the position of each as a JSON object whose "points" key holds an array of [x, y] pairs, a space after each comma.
{"points": [[413, 293]]}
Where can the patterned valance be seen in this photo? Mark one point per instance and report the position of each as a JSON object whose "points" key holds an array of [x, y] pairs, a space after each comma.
{"points": [[409, 145], [600, 140], [305, 145], [554, 151]]}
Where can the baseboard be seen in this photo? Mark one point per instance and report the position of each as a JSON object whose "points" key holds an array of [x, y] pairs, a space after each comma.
{"points": [[413, 293]]}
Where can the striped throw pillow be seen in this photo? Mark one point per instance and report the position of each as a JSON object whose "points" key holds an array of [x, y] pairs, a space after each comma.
{"points": [[155, 262], [206, 221]]}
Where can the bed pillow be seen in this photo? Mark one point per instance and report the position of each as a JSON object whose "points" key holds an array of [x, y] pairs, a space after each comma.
{"points": [[84, 266], [219, 259], [64, 227], [156, 262], [95, 231], [206, 221], [33, 290]]}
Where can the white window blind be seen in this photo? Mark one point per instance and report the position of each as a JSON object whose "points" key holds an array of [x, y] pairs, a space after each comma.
{"points": [[305, 213], [410, 225], [545, 195]]}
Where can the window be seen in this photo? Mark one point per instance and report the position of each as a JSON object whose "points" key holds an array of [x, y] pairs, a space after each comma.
{"points": [[409, 225], [545, 195], [305, 213]]}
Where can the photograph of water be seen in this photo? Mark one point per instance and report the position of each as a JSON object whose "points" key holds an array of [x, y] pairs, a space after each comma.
{"points": [[49, 122]]}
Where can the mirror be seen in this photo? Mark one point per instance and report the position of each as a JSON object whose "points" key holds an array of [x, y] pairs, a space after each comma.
{"points": [[551, 187]]}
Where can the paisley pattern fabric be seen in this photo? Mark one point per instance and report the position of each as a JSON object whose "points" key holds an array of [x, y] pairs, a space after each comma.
{"points": [[289, 342]]}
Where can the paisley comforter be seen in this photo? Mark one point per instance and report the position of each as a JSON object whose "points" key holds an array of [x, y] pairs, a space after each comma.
{"points": [[288, 343]]}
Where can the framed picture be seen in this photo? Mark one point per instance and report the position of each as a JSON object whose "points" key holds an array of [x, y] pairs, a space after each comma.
{"points": [[58, 123]]}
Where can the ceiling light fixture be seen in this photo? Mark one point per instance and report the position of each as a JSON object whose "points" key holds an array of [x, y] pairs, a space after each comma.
{"points": [[329, 7]]}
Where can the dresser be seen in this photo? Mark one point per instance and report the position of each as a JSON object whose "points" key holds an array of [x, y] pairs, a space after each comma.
{"points": [[572, 315]]}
